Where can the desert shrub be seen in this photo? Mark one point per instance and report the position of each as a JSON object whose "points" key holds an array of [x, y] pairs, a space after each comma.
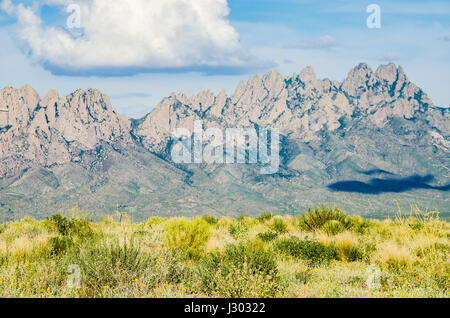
{"points": [[171, 267], [242, 282], [252, 254], [2, 228], [393, 256], [141, 233], [167, 267], [417, 226], [243, 217], [304, 276], [60, 223], [80, 228], [333, 227], [278, 225], [313, 252], [59, 245], [26, 248], [247, 220], [110, 264], [434, 248], [211, 220], [267, 236], [70, 227], [154, 221], [265, 216], [366, 249], [359, 225], [189, 236], [238, 229], [316, 218], [415, 223], [224, 223], [241, 270], [27, 227], [347, 249]]}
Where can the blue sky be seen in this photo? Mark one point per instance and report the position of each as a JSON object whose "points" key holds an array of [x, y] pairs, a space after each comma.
{"points": [[331, 36]]}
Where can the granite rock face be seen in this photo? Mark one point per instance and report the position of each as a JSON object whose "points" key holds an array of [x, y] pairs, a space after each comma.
{"points": [[366, 143], [55, 130], [300, 106]]}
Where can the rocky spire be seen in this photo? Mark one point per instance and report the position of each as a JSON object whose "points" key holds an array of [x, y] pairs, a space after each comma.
{"points": [[55, 130]]}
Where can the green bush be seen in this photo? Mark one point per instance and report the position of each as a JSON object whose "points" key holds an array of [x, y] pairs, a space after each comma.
{"points": [[316, 218], [60, 223], [267, 236], [278, 225], [110, 264], [258, 259], [350, 253], [313, 252], [238, 229], [2, 228], [211, 220], [73, 227], [171, 267], [248, 220], [154, 221], [360, 225], [265, 216], [189, 236], [59, 245], [234, 272], [333, 227]]}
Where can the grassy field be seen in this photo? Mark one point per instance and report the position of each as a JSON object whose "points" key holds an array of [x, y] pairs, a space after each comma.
{"points": [[321, 253]]}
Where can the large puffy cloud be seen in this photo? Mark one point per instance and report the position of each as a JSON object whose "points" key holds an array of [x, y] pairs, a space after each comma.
{"points": [[123, 37]]}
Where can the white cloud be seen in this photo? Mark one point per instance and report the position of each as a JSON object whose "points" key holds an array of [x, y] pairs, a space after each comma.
{"points": [[125, 37], [7, 7]]}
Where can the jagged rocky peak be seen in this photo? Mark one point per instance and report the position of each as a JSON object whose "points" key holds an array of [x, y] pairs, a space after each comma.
{"points": [[55, 130], [301, 105], [307, 75], [390, 73], [274, 83], [202, 101], [385, 93], [21, 104], [86, 117], [357, 80]]}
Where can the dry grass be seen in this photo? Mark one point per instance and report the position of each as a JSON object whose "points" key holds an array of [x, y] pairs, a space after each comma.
{"points": [[409, 254], [392, 254]]}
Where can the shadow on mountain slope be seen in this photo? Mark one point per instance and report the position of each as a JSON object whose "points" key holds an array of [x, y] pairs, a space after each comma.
{"points": [[377, 186]]}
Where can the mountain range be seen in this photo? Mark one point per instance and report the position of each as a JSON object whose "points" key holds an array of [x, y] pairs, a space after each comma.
{"points": [[371, 144]]}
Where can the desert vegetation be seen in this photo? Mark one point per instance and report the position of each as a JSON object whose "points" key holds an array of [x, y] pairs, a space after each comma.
{"points": [[320, 253]]}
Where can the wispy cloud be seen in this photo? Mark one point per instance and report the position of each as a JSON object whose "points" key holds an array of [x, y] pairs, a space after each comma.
{"points": [[445, 38], [326, 42]]}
